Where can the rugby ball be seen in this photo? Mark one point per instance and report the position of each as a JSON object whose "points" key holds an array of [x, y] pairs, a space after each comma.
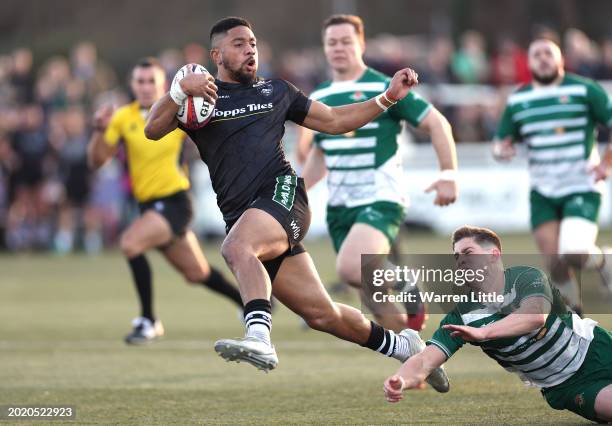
{"points": [[194, 112]]}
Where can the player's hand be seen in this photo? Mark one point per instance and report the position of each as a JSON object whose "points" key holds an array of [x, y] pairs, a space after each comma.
{"points": [[102, 117], [467, 333], [446, 192], [600, 172], [403, 81], [503, 150], [200, 85], [393, 388]]}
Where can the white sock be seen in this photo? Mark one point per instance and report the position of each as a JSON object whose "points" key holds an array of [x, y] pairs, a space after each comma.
{"points": [[258, 325]]}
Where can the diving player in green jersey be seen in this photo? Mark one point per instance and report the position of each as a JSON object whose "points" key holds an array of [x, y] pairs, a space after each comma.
{"points": [[366, 204], [556, 117], [529, 332]]}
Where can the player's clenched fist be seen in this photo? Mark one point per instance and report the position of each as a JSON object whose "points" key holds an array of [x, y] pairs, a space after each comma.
{"points": [[402, 82]]}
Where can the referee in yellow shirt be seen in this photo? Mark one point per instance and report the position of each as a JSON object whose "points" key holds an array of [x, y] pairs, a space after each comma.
{"points": [[160, 187]]}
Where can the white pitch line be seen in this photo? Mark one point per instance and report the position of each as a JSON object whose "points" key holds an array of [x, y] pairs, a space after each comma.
{"points": [[161, 344]]}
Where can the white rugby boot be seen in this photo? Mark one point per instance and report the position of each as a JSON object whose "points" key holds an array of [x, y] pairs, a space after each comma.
{"points": [[248, 349]]}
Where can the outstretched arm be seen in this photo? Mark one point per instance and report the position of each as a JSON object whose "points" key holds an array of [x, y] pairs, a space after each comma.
{"points": [[413, 372], [530, 316], [441, 133], [346, 118]]}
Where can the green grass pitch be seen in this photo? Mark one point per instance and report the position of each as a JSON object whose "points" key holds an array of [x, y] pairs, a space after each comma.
{"points": [[62, 320]]}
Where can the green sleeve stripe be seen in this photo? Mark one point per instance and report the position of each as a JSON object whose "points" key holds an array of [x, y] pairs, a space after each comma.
{"points": [[441, 346], [423, 114]]}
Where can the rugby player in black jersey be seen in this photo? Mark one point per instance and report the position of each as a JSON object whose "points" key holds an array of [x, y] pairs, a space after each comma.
{"points": [[264, 203]]}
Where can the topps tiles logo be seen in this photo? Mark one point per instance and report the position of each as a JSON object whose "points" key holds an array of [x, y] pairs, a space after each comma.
{"points": [[244, 111]]}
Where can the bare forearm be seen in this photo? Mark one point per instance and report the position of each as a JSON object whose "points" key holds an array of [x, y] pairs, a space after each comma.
{"points": [[314, 169], [354, 116], [516, 324], [444, 145], [97, 150], [418, 367], [441, 134], [162, 118], [304, 143], [342, 119]]}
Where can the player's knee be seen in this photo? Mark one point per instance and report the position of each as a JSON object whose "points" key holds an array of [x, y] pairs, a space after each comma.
{"points": [[349, 272], [234, 252], [129, 246]]}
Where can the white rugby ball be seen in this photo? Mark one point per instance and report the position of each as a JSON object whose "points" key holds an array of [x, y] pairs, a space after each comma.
{"points": [[195, 112]]}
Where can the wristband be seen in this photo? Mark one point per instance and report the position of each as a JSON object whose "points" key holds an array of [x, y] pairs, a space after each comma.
{"points": [[176, 93], [379, 103], [448, 175], [388, 98]]}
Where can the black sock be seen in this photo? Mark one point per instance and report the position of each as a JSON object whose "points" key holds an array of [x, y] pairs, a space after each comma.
{"points": [[381, 340], [258, 319], [217, 282], [141, 273], [262, 305]]}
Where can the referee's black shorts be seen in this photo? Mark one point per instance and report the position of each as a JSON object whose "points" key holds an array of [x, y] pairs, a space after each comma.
{"points": [[175, 208]]}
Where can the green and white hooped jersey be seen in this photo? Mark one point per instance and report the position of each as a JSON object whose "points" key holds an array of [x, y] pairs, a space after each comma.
{"points": [[545, 357], [558, 125], [365, 165]]}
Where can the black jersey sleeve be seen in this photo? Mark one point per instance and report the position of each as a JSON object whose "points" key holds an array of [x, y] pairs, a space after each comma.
{"points": [[299, 104]]}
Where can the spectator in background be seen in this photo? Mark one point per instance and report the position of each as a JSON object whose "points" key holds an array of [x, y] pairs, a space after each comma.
{"points": [[580, 54], [546, 32], [21, 77], [5, 165], [171, 60], [470, 64], [386, 54], [438, 65], [27, 225], [468, 125], [90, 75], [265, 59], [71, 147], [51, 87], [509, 65], [604, 68], [195, 53]]}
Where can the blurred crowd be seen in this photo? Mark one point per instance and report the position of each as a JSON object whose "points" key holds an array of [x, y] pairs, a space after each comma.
{"points": [[50, 200], [468, 80]]}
